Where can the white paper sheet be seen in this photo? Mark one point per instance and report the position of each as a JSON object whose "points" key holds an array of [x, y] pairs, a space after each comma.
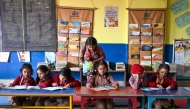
{"points": [[24, 56], [4, 56]]}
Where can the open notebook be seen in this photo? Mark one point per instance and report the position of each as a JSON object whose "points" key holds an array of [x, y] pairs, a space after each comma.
{"points": [[54, 88], [23, 87], [150, 88], [102, 88], [187, 88]]}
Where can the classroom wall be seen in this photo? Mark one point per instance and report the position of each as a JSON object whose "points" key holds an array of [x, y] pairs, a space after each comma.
{"points": [[114, 41]]}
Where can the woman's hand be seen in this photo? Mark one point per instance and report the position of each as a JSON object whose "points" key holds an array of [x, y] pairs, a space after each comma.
{"points": [[135, 75], [168, 88], [27, 84], [11, 85], [116, 87], [89, 86], [68, 86], [54, 84], [159, 86], [82, 60]]}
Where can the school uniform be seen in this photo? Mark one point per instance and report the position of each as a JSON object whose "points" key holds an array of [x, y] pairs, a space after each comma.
{"points": [[20, 80], [62, 101], [95, 55], [71, 81], [167, 81], [97, 80], [135, 83], [39, 101]]}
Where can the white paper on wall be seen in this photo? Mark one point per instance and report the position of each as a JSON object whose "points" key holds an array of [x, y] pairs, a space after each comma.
{"points": [[4, 56], [24, 56]]}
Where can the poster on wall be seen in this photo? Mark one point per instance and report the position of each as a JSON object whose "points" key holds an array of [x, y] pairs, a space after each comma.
{"points": [[4, 56], [111, 16], [24, 56], [182, 56], [180, 8]]}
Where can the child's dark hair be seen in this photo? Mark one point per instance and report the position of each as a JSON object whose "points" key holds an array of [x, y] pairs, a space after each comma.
{"points": [[65, 72], [164, 66], [103, 63], [27, 66], [43, 68], [91, 41]]}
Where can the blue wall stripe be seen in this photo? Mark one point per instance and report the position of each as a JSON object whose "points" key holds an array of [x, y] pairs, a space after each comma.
{"points": [[114, 53]]}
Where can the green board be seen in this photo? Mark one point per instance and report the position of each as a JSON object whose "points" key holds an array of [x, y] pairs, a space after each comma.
{"points": [[183, 20], [179, 6]]}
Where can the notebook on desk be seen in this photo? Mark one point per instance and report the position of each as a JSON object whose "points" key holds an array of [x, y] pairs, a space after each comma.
{"points": [[54, 88], [103, 88], [150, 88], [187, 88], [23, 87]]}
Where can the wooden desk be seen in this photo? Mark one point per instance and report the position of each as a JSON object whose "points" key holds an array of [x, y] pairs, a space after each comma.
{"points": [[38, 93], [122, 92], [177, 93]]}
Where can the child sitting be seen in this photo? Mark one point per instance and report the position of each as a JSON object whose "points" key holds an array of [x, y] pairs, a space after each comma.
{"points": [[25, 79], [162, 80], [62, 79], [43, 79], [138, 79], [102, 78]]}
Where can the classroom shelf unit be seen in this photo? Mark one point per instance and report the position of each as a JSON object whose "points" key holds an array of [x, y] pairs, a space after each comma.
{"points": [[74, 27], [146, 37]]}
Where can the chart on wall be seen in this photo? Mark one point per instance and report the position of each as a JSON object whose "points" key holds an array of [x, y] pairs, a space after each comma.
{"points": [[180, 9], [182, 56], [111, 16]]}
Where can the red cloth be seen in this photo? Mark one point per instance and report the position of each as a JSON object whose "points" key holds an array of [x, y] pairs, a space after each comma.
{"points": [[71, 80], [166, 82], [46, 83], [20, 80], [136, 69], [95, 56]]}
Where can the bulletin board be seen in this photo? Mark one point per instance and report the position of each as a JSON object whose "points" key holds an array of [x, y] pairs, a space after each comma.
{"points": [[181, 56], [28, 25]]}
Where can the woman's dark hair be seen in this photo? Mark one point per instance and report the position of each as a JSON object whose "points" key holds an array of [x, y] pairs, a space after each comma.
{"points": [[43, 68], [91, 41], [65, 72], [27, 66], [164, 66], [103, 63]]}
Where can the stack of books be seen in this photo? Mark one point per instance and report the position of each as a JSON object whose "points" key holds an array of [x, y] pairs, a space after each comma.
{"points": [[60, 65], [43, 63], [120, 66]]}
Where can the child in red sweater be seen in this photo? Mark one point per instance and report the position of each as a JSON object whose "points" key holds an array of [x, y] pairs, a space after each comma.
{"points": [[25, 79], [62, 79], [162, 80], [43, 79]]}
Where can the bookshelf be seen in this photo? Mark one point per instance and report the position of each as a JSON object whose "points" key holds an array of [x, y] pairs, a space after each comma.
{"points": [[146, 38]]}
